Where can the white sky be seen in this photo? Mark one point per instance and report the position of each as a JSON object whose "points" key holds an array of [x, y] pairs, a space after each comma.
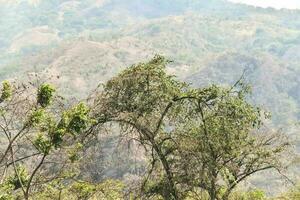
{"points": [[291, 4]]}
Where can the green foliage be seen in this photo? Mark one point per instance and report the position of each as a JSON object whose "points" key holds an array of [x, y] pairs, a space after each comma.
{"points": [[76, 119], [237, 195], [257, 195], [42, 144], [83, 190], [37, 117], [111, 190], [250, 195], [51, 191], [106, 190], [158, 189], [6, 191], [19, 179], [73, 153], [73, 121], [45, 95], [6, 91], [142, 88], [141, 98], [35, 127], [201, 138], [56, 136], [219, 143], [197, 139]]}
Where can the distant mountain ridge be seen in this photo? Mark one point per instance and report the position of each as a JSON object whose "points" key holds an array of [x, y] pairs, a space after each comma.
{"points": [[210, 41]]}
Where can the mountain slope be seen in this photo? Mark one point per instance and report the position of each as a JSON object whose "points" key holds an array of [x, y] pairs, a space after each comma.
{"points": [[79, 44]]}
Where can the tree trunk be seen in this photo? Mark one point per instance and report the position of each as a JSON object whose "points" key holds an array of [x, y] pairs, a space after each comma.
{"points": [[168, 172], [213, 190], [212, 194]]}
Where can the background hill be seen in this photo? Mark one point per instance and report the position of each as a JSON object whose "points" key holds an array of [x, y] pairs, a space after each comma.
{"points": [[82, 43]]}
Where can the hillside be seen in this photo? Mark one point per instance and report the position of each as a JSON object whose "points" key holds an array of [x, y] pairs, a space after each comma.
{"points": [[79, 44], [216, 40]]}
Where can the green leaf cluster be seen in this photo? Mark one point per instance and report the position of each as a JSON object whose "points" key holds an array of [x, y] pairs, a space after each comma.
{"points": [[6, 91], [20, 179], [45, 94], [76, 119]]}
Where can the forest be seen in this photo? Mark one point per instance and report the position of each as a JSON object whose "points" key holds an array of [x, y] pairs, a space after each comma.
{"points": [[196, 142]]}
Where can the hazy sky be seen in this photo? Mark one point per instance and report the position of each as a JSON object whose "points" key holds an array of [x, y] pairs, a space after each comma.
{"points": [[292, 4]]}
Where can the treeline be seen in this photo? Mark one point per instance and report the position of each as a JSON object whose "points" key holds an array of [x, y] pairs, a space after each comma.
{"points": [[200, 143]]}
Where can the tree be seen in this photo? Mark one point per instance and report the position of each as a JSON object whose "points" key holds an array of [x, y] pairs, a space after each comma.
{"points": [[39, 133], [222, 142], [195, 137], [141, 100]]}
